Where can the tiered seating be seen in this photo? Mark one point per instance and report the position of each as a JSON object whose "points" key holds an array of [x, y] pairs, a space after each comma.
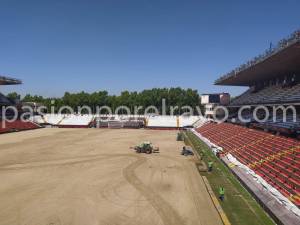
{"points": [[284, 174], [17, 125], [291, 123], [270, 94], [275, 158]]}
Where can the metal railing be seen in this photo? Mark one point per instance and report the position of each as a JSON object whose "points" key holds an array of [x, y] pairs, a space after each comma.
{"points": [[282, 44]]}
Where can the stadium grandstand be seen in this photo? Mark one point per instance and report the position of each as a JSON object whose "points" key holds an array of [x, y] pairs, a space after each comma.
{"points": [[273, 79], [265, 156], [15, 125]]}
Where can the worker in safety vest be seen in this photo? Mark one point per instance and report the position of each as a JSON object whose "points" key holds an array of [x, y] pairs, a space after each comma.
{"points": [[210, 166], [221, 193]]}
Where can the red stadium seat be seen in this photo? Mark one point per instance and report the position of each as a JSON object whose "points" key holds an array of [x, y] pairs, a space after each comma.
{"points": [[253, 146], [17, 125]]}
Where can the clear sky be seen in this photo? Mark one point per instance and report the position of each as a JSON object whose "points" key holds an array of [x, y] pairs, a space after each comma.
{"points": [[58, 46]]}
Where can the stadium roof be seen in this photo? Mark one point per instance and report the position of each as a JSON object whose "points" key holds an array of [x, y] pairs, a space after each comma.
{"points": [[276, 62], [9, 81]]}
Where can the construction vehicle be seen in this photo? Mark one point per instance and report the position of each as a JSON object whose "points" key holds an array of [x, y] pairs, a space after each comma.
{"points": [[146, 147]]}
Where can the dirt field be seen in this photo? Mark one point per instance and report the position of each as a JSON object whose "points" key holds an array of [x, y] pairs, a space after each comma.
{"points": [[91, 177]]}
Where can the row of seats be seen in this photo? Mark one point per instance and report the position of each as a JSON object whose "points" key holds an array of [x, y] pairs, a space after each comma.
{"points": [[277, 124], [276, 158], [290, 123], [270, 94], [17, 125]]}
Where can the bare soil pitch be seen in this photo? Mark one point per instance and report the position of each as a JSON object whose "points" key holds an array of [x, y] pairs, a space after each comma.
{"points": [[91, 177]]}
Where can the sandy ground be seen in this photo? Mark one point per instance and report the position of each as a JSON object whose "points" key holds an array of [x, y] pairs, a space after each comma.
{"points": [[92, 177]]}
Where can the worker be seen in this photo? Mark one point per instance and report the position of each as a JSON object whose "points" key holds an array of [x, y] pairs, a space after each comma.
{"points": [[221, 193], [210, 166], [183, 150]]}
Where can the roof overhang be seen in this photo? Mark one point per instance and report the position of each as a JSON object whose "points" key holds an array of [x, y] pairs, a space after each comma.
{"points": [[284, 62], [9, 81]]}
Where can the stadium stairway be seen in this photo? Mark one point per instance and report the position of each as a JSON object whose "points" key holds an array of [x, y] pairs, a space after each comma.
{"points": [[275, 158]]}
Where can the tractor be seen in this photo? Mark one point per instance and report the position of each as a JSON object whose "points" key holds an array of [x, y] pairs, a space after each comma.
{"points": [[146, 147]]}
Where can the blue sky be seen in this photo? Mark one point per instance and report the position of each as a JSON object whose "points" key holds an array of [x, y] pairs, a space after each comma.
{"points": [[58, 46]]}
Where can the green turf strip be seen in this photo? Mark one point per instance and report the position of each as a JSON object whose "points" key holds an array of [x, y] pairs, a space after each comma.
{"points": [[239, 206]]}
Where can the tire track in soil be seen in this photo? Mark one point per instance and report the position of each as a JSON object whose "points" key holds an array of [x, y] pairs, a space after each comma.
{"points": [[61, 162], [167, 214]]}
